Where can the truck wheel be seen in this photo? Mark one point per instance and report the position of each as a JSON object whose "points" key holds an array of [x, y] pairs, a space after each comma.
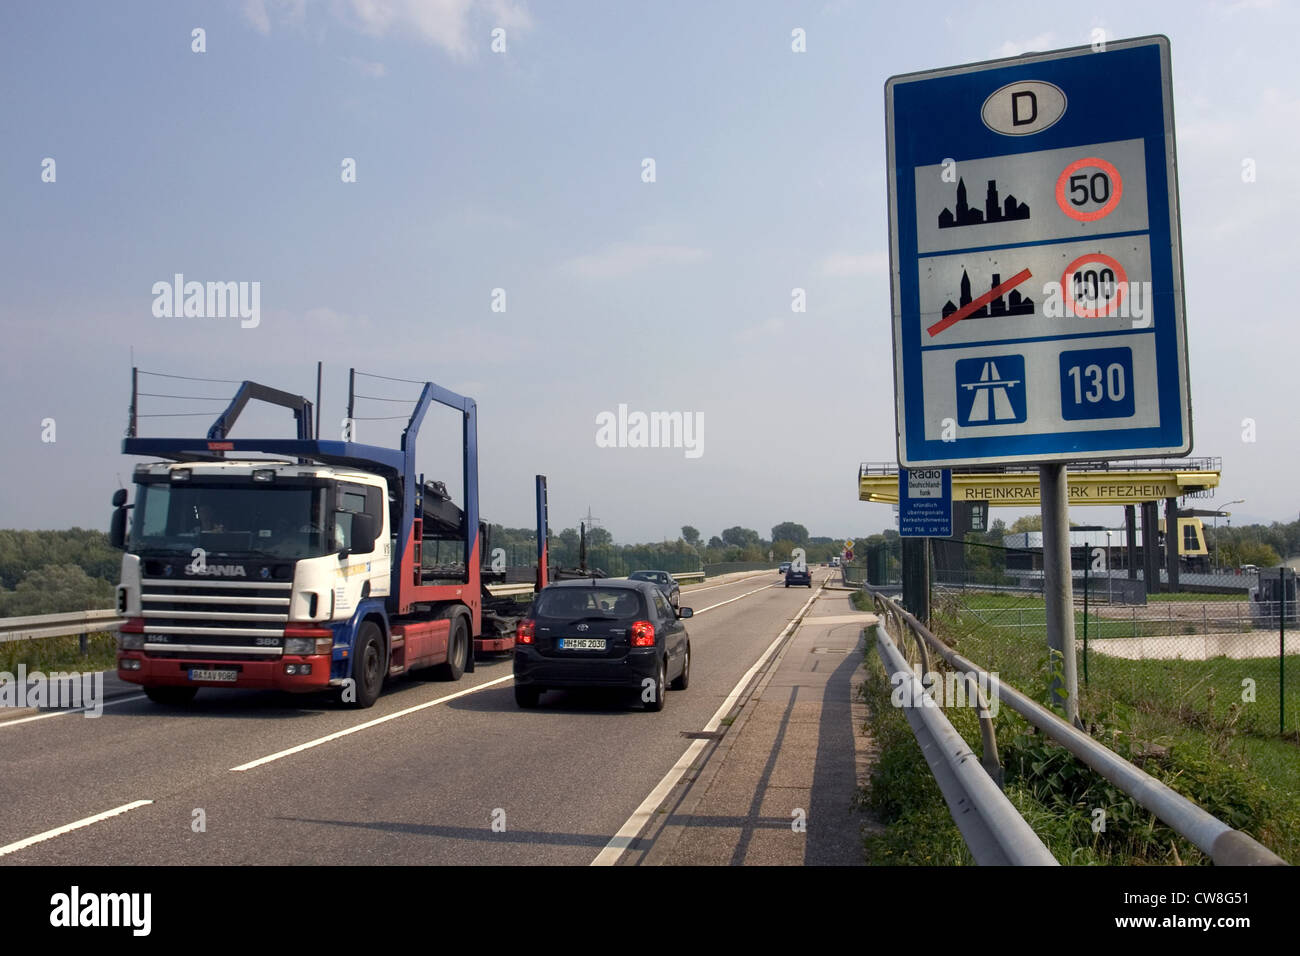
{"points": [[171, 696], [368, 666], [457, 651]]}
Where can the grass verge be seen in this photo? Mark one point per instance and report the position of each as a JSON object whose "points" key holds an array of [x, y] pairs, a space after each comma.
{"points": [[60, 653], [1205, 752]]}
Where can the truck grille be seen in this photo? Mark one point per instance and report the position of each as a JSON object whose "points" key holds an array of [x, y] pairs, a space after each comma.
{"points": [[231, 617]]}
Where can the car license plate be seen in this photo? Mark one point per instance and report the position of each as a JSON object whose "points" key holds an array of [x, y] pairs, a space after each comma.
{"points": [[231, 676], [582, 643]]}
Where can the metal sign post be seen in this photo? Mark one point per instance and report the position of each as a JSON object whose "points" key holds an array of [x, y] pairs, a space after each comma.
{"points": [[1058, 590], [1281, 653]]}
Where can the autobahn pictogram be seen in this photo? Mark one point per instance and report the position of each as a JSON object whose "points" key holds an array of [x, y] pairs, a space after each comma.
{"points": [[991, 391]]}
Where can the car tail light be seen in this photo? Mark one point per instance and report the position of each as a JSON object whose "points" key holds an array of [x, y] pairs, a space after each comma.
{"points": [[525, 632], [643, 634]]}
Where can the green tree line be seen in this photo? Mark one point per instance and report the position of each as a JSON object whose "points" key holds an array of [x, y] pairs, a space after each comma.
{"points": [[1261, 545], [50, 572], [689, 551]]}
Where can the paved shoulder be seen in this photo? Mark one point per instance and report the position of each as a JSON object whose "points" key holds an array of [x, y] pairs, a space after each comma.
{"points": [[780, 787]]}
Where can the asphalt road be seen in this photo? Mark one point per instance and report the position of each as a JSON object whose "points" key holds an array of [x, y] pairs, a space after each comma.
{"points": [[466, 780]]}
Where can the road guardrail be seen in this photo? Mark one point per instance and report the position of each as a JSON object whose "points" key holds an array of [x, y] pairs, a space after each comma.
{"points": [[82, 623], [1220, 842], [992, 827], [85, 623]]}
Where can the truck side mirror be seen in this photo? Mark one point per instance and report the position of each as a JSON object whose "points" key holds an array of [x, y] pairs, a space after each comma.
{"points": [[363, 533], [117, 528], [119, 497]]}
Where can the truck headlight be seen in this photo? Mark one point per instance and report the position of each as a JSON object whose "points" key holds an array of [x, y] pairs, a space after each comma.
{"points": [[300, 645], [130, 642]]}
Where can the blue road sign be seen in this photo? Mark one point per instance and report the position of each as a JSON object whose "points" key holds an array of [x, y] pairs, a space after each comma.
{"points": [[1037, 272], [925, 503], [990, 390]]}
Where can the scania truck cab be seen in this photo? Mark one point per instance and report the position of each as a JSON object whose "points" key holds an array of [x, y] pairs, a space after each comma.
{"points": [[239, 571], [322, 565]]}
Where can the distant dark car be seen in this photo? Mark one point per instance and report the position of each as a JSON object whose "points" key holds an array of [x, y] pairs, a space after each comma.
{"points": [[667, 583], [602, 633], [785, 566], [798, 577]]}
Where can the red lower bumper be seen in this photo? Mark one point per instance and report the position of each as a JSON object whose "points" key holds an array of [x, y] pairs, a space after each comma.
{"points": [[253, 675], [490, 644]]}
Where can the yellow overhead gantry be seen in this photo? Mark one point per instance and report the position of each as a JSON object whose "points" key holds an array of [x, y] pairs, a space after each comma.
{"points": [[1122, 483]]}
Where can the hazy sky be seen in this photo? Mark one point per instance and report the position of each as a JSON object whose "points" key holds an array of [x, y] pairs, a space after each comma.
{"points": [[523, 171]]}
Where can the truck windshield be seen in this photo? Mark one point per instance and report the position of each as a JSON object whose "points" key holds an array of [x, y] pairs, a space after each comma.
{"points": [[276, 520]]}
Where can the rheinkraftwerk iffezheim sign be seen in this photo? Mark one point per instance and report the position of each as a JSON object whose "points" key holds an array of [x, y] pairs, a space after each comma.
{"points": [[1036, 271]]}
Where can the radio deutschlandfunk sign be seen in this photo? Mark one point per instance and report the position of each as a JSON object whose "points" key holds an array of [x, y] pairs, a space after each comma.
{"points": [[925, 503]]}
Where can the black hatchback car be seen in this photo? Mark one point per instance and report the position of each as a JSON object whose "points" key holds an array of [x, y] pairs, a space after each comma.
{"points": [[667, 583], [602, 633], [798, 577]]}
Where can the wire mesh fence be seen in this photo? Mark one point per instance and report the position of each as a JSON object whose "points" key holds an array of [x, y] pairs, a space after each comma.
{"points": [[621, 560], [1217, 662], [1216, 654]]}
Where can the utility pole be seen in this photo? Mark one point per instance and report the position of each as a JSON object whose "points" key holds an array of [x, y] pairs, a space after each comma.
{"points": [[1228, 515]]}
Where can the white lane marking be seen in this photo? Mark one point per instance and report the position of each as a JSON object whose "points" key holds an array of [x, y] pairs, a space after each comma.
{"points": [[737, 598], [78, 710], [369, 723], [628, 831], [68, 828], [725, 584]]}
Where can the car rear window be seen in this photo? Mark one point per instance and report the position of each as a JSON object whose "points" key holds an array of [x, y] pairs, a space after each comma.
{"points": [[618, 604]]}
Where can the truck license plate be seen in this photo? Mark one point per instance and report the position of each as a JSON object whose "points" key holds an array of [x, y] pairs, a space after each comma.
{"points": [[582, 643], [231, 676]]}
